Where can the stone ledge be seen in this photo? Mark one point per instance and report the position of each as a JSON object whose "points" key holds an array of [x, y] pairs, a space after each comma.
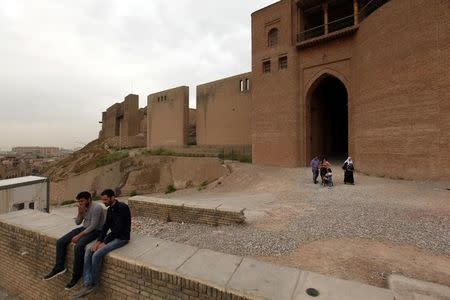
{"points": [[211, 213], [405, 288], [157, 269]]}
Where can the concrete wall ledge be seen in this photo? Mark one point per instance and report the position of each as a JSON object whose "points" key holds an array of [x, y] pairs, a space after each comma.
{"points": [[211, 213], [156, 269]]}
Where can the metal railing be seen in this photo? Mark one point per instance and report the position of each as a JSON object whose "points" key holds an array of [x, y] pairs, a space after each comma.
{"points": [[370, 7], [341, 23], [333, 26]]}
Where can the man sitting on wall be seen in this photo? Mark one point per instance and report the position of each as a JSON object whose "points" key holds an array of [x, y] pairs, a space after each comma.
{"points": [[118, 220], [93, 216]]}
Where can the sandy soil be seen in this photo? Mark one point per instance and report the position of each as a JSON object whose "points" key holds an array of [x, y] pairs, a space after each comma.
{"points": [[367, 261]]}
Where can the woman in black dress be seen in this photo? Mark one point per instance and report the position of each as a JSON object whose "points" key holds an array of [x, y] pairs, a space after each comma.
{"points": [[348, 168]]}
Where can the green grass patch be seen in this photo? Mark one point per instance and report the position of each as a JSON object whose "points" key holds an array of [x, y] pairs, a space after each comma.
{"points": [[158, 152], [110, 158], [170, 189], [234, 156], [164, 152], [203, 185]]}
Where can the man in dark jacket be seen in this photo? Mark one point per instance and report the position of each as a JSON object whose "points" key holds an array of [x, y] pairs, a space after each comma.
{"points": [[118, 222]]}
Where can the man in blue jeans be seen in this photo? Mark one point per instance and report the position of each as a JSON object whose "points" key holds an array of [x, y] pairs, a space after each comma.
{"points": [[93, 217], [118, 221], [315, 168]]}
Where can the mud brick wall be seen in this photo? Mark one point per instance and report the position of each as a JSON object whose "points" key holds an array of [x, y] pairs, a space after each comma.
{"points": [[26, 256], [183, 213]]}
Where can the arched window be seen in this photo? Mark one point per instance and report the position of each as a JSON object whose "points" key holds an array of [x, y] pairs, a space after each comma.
{"points": [[273, 37]]}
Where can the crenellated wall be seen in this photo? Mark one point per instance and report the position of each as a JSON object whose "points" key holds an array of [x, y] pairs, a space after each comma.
{"points": [[168, 118], [393, 63], [121, 124], [224, 111]]}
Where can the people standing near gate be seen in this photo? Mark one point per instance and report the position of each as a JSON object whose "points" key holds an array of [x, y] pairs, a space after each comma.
{"points": [[118, 222], [323, 169], [349, 168], [315, 163], [93, 216]]}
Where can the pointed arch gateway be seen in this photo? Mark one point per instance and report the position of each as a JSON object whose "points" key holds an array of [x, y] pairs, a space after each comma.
{"points": [[327, 117]]}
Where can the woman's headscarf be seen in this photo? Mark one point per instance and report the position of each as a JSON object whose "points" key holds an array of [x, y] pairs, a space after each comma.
{"points": [[349, 161]]}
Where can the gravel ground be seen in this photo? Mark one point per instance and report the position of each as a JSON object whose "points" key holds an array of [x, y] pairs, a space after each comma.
{"points": [[238, 240], [412, 213]]}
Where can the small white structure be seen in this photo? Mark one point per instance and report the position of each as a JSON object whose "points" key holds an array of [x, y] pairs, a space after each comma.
{"points": [[30, 192]]}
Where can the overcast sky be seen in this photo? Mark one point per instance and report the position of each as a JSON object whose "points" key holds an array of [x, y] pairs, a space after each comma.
{"points": [[64, 62]]}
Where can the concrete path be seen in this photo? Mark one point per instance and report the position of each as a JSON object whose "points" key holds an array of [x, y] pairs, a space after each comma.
{"points": [[236, 274]]}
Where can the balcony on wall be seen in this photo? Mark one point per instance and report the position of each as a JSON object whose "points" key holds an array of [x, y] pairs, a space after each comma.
{"points": [[320, 21]]}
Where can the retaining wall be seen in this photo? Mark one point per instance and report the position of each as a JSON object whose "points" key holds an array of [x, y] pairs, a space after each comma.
{"points": [[28, 255], [178, 211]]}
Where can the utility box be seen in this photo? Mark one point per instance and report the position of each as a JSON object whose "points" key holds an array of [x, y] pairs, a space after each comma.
{"points": [[30, 192]]}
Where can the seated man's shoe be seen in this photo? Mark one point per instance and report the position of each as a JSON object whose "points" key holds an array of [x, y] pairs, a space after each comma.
{"points": [[54, 273], [86, 290], [72, 283]]}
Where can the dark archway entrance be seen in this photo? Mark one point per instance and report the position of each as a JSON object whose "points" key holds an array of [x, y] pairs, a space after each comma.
{"points": [[328, 103]]}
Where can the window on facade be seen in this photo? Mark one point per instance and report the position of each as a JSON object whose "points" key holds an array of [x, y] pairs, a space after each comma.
{"points": [[273, 37], [266, 66], [244, 84], [18, 206], [282, 62]]}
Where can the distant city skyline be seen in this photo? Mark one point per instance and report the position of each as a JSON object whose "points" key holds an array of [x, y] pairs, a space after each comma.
{"points": [[61, 148], [65, 62]]}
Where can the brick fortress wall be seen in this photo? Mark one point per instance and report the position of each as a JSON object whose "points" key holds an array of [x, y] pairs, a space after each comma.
{"points": [[224, 112], [168, 118]]}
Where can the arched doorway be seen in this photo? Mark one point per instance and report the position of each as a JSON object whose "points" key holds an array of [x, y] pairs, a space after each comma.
{"points": [[328, 118]]}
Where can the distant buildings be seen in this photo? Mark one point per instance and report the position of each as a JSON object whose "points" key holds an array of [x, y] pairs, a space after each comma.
{"points": [[38, 151], [25, 161]]}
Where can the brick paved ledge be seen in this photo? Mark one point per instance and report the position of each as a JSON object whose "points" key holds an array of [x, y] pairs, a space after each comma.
{"points": [[149, 268], [185, 211]]}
